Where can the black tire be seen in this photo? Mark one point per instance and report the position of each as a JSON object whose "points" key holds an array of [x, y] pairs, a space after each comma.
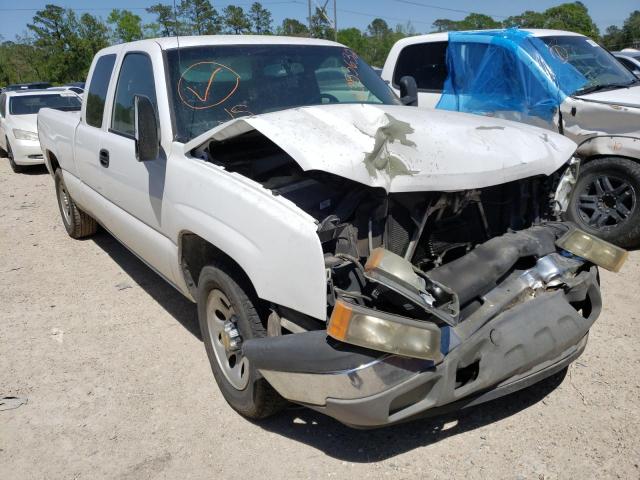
{"points": [[77, 223], [14, 166], [606, 200], [257, 399]]}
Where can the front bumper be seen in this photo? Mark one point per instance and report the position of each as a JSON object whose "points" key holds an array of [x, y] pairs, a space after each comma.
{"points": [[521, 345], [27, 152]]}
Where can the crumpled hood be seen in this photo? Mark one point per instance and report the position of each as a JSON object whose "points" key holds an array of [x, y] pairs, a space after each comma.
{"points": [[624, 97], [403, 149]]}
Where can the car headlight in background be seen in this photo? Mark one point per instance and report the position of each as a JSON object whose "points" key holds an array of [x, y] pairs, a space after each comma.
{"points": [[593, 249], [25, 135], [385, 332]]}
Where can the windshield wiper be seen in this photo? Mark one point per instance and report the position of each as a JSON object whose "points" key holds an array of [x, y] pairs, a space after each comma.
{"points": [[605, 86]]}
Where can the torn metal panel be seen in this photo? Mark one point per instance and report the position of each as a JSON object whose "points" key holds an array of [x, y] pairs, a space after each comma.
{"points": [[402, 150]]}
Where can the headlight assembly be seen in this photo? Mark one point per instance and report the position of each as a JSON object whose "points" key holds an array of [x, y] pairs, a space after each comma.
{"points": [[593, 249], [25, 135], [382, 331]]}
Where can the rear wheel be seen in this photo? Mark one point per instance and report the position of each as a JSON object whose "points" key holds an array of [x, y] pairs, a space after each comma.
{"points": [[77, 223], [14, 166], [606, 200], [228, 314]]}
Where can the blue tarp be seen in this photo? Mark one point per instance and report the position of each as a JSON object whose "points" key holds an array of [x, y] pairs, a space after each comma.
{"points": [[506, 70]]}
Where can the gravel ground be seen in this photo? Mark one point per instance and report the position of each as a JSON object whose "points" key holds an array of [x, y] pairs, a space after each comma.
{"points": [[118, 385]]}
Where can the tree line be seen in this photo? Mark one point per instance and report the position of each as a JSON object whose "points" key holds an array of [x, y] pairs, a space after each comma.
{"points": [[59, 44]]}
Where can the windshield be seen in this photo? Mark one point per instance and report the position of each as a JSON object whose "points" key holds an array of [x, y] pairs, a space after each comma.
{"points": [[598, 66], [214, 84], [31, 104]]}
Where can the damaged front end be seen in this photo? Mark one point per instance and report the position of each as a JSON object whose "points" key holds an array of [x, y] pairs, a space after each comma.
{"points": [[436, 298], [443, 313]]}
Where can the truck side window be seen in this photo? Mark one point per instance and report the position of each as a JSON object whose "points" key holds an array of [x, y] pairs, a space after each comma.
{"points": [[97, 92], [426, 62], [3, 101], [136, 78]]}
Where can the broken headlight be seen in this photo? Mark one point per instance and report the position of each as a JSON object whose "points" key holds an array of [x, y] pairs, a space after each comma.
{"points": [[382, 331], [593, 249]]}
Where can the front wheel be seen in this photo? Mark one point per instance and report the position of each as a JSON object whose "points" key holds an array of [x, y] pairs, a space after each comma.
{"points": [[228, 314], [605, 200], [77, 223]]}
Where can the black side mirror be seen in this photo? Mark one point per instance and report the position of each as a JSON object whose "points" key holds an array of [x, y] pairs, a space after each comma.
{"points": [[146, 124], [409, 91]]}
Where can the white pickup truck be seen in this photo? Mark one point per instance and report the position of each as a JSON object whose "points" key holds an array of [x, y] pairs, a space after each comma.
{"points": [[346, 252], [558, 80]]}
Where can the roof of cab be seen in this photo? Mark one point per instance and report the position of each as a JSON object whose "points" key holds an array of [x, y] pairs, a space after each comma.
{"points": [[443, 36], [168, 43]]}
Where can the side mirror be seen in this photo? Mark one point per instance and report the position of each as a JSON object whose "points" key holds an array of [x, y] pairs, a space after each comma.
{"points": [[146, 125], [409, 91]]}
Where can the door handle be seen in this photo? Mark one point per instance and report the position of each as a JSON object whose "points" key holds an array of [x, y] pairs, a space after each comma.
{"points": [[104, 158]]}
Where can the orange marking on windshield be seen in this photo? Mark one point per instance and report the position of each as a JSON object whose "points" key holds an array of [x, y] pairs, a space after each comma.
{"points": [[207, 99], [206, 92]]}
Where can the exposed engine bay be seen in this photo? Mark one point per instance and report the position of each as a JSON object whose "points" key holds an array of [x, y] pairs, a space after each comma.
{"points": [[428, 229]]}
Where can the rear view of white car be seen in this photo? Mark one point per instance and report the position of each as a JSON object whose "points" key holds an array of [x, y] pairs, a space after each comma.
{"points": [[18, 122]]}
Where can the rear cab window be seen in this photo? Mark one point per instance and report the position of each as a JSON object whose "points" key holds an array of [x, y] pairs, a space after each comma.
{"points": [[3, 105], [426, 62], [97, 92]]}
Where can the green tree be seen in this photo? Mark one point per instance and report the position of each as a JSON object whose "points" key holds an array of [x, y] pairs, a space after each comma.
{"points": [[92, 36], [21, 62], [527, 19], [199, 18], [166, 23], [126, 26], [573, 17], [445, 25], [66, 44], [631, 30], [478, 21], [260, 19], [614, 38], [235, 20], [354, 39], [292, 28], [321, 25]]}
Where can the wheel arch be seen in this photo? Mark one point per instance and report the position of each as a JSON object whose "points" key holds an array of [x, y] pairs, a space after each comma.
{"points": [[51, 162], [195, 252]]}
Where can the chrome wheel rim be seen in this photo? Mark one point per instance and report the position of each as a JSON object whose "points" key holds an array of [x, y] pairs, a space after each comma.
{"points": [[225, 339], [606, 202], [64, 202]]}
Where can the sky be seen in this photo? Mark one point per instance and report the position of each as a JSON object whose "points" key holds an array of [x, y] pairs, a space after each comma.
{"points": [[14, 15]]}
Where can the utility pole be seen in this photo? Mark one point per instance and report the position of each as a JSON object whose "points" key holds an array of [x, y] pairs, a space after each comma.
{"points": [[310, 34], [335, 21]]}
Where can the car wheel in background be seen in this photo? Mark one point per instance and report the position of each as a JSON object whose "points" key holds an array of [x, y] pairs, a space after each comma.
{"points": [[14, 166], [77, 223], [228, 314], [606, 200]]}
